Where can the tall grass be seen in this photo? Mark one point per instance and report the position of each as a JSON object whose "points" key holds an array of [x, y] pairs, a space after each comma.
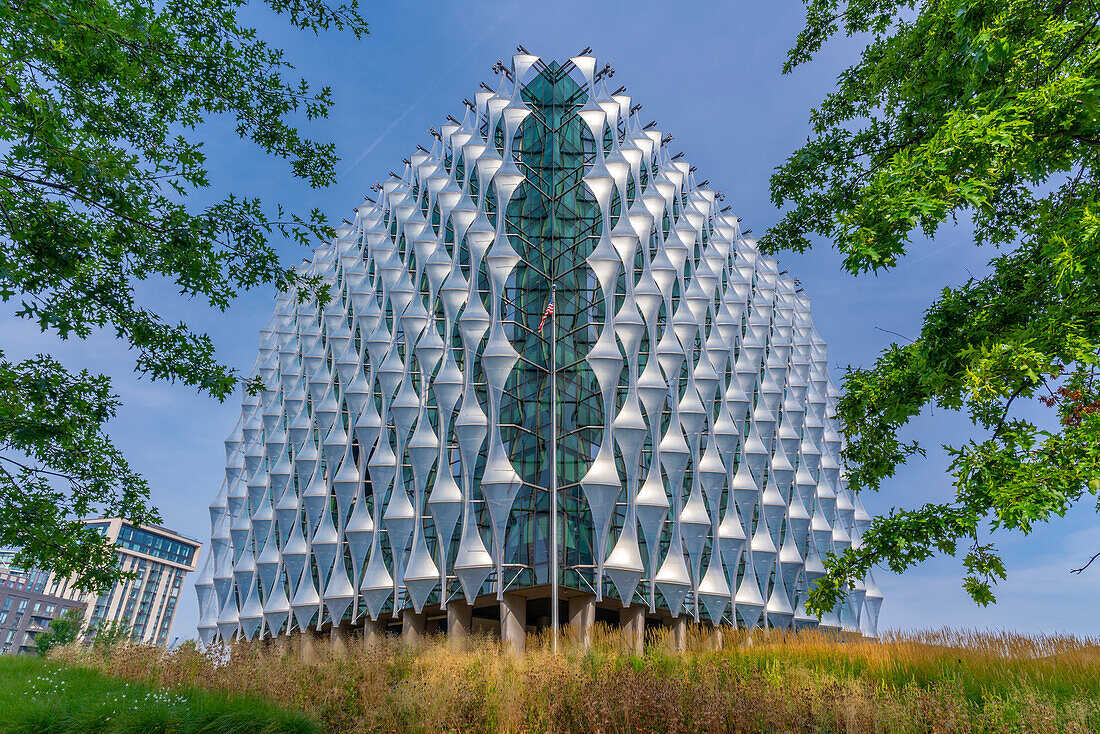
{"points": [[941, 681], [40, 697]]}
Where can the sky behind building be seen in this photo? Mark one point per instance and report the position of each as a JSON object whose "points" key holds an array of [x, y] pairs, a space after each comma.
{"points": [[707, 73]]}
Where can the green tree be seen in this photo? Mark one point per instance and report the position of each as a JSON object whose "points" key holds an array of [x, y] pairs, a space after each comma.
{"points": [[101, 116], [107, 634], [989, 110], [63, 630]]}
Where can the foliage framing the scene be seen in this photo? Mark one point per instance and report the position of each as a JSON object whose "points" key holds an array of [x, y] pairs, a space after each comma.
{"points": [[989, 110], [100, 116]]}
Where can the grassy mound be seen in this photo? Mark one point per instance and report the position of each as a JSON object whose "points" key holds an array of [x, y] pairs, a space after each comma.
{"points": [[810, 682], [44, 697]]}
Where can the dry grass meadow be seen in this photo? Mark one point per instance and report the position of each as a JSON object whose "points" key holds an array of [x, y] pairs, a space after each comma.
{"points": [[938, 681]]}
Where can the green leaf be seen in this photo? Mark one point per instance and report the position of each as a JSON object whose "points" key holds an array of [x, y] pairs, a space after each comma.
{"points": [[986, 111], [101, 121]]}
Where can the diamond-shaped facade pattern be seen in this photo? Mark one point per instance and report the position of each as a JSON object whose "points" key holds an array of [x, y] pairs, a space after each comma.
{"points": [[399, 456]]}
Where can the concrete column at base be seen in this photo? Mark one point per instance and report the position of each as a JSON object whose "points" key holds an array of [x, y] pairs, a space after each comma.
{"points": [[582, 617], [460, 620], [306, 653], [714, 641], [374, 631], [412, 626], [338, 641], [282, 644], [513, 623], [632, 628], [679, 633]]}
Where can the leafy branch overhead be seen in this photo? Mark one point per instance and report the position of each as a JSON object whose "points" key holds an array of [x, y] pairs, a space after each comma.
{"points": [[100, 118], [988, 110]]}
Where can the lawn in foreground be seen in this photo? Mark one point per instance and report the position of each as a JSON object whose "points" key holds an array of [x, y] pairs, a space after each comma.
{"points": [[44, 697], [773, 683]]}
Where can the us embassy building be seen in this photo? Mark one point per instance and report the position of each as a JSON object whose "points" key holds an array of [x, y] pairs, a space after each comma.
{"points": [[554, 380]]}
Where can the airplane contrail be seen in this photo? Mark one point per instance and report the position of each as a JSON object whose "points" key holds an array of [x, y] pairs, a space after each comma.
{"points": [[439, 80]]}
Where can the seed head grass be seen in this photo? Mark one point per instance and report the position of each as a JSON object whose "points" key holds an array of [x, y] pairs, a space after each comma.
{"points": [[770, 682]]}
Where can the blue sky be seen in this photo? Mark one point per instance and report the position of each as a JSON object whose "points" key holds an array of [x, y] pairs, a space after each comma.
{"points": [[709, 73]]}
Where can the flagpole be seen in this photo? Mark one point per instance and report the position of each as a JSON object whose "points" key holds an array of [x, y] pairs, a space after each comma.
{"points": [[554, 466]]}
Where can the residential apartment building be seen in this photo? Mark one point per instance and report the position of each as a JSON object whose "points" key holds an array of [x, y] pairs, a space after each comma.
{"points": [[25, 607], [160, 559]]}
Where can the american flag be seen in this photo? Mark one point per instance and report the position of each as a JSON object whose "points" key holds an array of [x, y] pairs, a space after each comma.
{"points": [[548, 313]]}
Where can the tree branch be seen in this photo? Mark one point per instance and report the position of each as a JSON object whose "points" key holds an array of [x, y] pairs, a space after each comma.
{"points": [[888, 331], [38, 471], [1079, 570]]}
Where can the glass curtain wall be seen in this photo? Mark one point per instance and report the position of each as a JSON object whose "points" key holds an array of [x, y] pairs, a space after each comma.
{"points": [[554, 223]]}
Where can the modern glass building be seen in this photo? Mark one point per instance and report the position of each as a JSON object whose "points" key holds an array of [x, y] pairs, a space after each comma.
{"points": [[415, 431]]}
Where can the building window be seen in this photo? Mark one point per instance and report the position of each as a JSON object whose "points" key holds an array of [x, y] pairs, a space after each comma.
{"points": [[154, 544]]}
